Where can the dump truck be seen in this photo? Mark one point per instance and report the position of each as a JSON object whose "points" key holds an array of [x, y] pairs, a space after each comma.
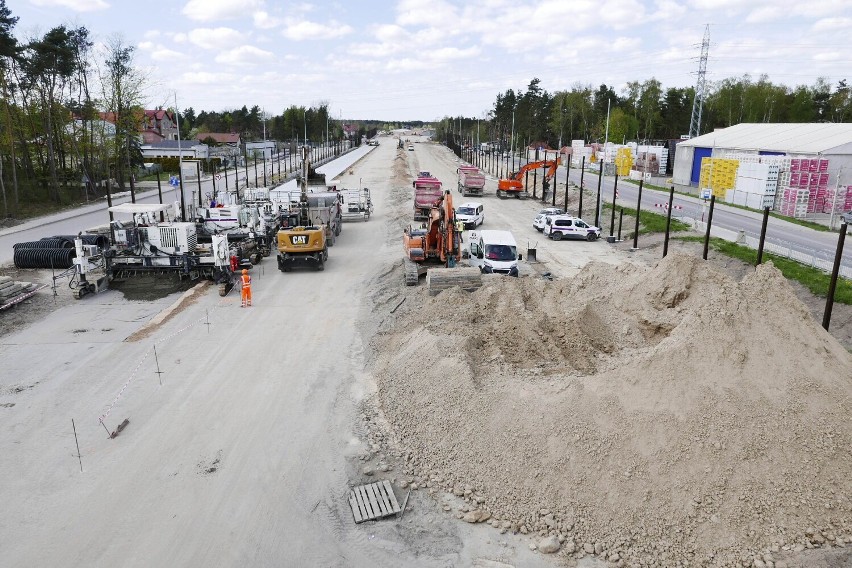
{"points": [[427, 191], [471, 180]]}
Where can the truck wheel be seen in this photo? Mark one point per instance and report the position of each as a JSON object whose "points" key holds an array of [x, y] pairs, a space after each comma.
{"points": [[330, 241], [556, 236], [281, 265], [321, 264]]}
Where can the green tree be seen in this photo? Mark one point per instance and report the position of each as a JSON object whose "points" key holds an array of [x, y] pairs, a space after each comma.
{"points": [[8, 54]]}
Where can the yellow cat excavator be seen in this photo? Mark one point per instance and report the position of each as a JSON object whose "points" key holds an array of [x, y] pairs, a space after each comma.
{"points": [[514, 186], [301, 242]]}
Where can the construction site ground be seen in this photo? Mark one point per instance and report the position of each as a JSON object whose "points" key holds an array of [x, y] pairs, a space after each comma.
{"points": [[627, 412]]}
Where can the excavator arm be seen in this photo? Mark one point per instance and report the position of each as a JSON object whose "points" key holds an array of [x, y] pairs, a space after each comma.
{"points": [[515, 182]]}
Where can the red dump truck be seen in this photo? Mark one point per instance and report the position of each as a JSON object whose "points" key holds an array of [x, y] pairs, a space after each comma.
{"points": [[471, 180], [427, 190]]}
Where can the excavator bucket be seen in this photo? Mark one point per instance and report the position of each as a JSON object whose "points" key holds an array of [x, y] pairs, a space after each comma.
{"points": [[440, 279]]}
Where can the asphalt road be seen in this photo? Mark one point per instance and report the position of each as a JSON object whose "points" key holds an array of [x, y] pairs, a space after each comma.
{"points": [[806, 241], [96, 214]]}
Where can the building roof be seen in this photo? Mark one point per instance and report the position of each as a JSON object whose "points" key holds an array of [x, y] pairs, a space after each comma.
{"points": [[173, 144], [159, 113], [220, 137], [804, 138]]}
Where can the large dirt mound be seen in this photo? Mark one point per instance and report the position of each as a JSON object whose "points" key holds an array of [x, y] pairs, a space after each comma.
{"points": [[669, 414]]}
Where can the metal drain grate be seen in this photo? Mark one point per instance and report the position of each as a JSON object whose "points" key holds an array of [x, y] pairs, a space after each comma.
{"points": [[373, 501]]}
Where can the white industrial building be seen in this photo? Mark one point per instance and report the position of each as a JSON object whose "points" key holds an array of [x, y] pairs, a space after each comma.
{"points": [[817, 140]]}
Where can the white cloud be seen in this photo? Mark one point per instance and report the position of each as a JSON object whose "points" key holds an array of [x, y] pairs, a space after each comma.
{"points": [[831, 24], [436, 13], [206, 78], [765, 14], [828, 56], [180, 37], [390, 32], [212, 10], [76, 5], [375, 50], [161, 53], [303, 30], [264, 21], [244, 55], [151, 34], [212, 38], [145, 45], [445, 54]]}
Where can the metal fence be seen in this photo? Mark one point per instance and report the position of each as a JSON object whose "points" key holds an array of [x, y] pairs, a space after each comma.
{"points": [[822, 260]]}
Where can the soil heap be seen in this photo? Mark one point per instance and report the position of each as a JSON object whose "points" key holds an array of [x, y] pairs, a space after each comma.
{"points": [[668, 415]]}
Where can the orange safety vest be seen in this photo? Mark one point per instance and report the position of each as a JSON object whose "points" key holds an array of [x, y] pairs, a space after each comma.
{"points": [[246, 280]]}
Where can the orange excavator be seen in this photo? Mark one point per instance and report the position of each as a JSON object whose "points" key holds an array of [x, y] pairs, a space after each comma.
{"points": [[514, 185], [436, 242]]}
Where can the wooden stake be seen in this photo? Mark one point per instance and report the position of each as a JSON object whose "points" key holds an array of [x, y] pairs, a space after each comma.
{"points": [[79, 458], [157, 360]]}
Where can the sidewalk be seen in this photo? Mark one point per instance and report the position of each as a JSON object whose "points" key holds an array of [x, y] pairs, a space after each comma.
{"points": [[146, 189], [96, 205]]}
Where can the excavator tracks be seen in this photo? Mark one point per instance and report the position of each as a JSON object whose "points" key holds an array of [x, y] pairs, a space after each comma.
{"points": [[412, 275]]}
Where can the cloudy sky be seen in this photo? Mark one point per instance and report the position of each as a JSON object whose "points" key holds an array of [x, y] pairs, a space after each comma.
{"points": [[424, 59]]}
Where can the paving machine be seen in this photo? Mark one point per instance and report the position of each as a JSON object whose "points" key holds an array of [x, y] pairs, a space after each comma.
{"points": [[170, 248], [514, 186], [302, 240]]}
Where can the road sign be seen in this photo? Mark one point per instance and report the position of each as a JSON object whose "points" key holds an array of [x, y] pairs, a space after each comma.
{"points": [[218, 176], [705, 194], [174, 181]]}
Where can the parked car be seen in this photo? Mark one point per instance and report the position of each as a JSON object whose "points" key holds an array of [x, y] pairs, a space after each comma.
{"points": [[559, 227], [538, 222], [472, 214], [494, 252], [411, 147]]}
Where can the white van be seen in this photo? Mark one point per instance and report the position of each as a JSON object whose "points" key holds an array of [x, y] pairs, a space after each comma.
{"points": [[494, 252], [472, 214]]}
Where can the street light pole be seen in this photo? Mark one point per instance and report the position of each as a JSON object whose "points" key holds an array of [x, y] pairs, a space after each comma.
{"points": [[180, 164]]}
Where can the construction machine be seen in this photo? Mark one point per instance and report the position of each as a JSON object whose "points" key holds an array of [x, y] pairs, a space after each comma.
{"points": [[437, 243], [301, 241], [514, 184]]}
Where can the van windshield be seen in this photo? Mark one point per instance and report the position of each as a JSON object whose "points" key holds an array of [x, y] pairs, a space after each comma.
{"points": [[501, 252], [466, 211]]}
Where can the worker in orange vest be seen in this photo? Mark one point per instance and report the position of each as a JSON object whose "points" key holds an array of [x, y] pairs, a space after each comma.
{"points": [[245, 281]]}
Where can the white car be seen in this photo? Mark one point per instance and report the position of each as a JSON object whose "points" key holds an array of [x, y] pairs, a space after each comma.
{"points": [[411, 147], [559, 227], [472, 214], [538, 222]]}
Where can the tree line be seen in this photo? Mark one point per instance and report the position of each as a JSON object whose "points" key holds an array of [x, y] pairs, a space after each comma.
{"points": [[71, 112], [646, 111]]}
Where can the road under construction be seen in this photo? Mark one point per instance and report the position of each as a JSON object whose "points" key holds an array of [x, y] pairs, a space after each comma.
{"points": [[183, 430]]}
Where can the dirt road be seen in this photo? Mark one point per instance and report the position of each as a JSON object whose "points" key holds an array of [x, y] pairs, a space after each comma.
{"points": [[245, 453], [243, 456]]}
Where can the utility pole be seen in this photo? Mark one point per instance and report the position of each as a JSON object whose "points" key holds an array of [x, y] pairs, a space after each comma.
{"points": [[180, 163], [700, 84], [602, 164]]}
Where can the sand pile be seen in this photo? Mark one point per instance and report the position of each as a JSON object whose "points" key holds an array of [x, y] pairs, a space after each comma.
{"points": [[668, 414]]}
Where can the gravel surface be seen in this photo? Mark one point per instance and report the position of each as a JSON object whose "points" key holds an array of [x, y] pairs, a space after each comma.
{"points": [[576, 417]]}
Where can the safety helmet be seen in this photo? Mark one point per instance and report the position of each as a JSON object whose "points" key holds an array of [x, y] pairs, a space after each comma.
{"points": [[245, 271]]}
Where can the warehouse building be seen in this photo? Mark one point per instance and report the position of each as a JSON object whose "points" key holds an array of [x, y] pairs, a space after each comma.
{"points": [[802, 170], [825, 140]]}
